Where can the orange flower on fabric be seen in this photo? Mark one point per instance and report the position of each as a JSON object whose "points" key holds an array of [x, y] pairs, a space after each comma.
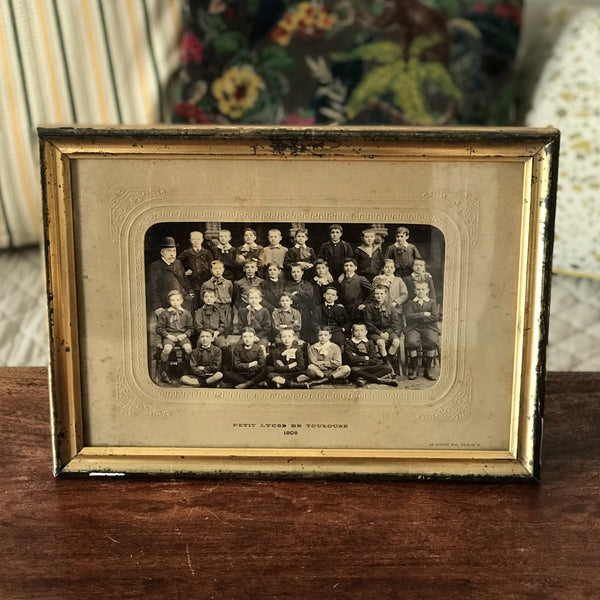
{"points": [[306, 20]]}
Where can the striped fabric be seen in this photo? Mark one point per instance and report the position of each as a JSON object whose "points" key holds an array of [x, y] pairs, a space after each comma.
{"points": [[100, 62]]}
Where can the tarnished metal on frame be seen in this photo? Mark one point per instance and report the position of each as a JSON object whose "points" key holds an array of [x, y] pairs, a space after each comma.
{"points": [[490, 192]]}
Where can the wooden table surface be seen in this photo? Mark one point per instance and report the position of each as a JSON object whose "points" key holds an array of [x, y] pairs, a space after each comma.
{"points": [[190, 539]]}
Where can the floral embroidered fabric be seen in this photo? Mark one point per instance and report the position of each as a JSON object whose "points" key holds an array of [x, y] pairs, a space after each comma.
{"points": [[348, 61]]}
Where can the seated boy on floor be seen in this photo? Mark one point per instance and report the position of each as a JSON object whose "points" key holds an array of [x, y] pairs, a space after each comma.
{"points": [[421, 330], [255, 315], [249, 362], [286, 316], [287, 361], [215, 317], [325, 360], [174, 326], [383, 325], [205, 362], [360, 354]]}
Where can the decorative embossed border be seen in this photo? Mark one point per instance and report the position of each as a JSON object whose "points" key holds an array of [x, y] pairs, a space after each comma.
{"points": [[453, 402], [136, 210]]}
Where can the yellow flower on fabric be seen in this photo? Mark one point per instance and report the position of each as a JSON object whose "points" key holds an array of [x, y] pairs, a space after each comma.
{"points": [[237, 90], [306, 14]]}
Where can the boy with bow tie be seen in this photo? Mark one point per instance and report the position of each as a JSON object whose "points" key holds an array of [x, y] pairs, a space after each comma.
{"points": [[214, 317], [422, 315], [174, 326], [218, 284], [360, 354], [287, 361], [402, 253]]}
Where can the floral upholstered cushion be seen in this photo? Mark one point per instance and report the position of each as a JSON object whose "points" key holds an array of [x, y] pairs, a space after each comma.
{"points": [[348, 61]]}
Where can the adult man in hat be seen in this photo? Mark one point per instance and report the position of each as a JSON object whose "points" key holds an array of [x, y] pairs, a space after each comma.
{"points": [[167, 274]]}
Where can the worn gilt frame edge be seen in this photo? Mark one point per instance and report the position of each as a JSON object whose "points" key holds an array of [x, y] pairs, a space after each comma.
{"points": [[70, 457]]}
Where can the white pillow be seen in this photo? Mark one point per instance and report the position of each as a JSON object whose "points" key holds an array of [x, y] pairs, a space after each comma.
{"points": [[567, 97]]}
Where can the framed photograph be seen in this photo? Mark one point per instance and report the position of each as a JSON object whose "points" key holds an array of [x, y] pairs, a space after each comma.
{"points": [[298, 301]]}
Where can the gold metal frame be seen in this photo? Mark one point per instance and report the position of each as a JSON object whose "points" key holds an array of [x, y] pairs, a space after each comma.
{"points": [[534, 152]]}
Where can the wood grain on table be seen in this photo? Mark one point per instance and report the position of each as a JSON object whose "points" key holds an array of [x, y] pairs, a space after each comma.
{"points": [[216, 538]]}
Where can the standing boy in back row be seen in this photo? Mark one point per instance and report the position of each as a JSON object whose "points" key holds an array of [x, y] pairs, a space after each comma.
{"points": [[402, 253]]}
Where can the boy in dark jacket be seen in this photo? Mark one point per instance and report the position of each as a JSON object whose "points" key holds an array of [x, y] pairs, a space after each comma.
{"points": [[249, 362], [360, 354], [205, 362]]}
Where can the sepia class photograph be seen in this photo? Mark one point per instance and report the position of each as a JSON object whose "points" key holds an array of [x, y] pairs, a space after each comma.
{"points": [[294, 305]]}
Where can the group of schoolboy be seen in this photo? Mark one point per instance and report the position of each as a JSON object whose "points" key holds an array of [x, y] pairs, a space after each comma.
{"points": [[306, 318]]}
